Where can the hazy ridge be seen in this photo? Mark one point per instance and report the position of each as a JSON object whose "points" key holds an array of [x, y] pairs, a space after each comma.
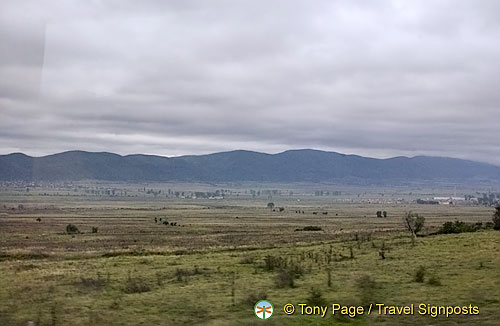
{"points": [[290, 166]]}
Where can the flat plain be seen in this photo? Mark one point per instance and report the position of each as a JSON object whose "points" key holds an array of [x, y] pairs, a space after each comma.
{"points": [[216, 257]]}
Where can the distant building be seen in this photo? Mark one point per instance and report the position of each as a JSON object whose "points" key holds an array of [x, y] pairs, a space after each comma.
{"points": [[449, 200]]}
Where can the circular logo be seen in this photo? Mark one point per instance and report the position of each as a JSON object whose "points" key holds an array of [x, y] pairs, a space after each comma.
{"points": [[263, 309]]}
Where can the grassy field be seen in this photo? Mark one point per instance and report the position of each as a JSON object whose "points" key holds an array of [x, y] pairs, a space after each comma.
{"points": [[222, 256]]}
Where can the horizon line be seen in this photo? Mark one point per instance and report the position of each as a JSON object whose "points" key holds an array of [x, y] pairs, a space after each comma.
{"points": [[245, 150]]}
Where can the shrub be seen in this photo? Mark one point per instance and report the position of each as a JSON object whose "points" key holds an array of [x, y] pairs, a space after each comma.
{"points": [[92, 283], [312, 228], [95, 229], [252, 298], [381, 253], [459, 227], [136, 285], [72, 229], [181, 274], [420, 274], [365, 282], [496, 218], [434, 280], [315, 298], [159, 278], [272, 262], [296, 270], [366, 287], [284, 278], [247, 260]]}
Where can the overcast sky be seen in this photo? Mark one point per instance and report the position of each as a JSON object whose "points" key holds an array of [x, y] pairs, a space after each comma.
{"points": [[374, 78]]}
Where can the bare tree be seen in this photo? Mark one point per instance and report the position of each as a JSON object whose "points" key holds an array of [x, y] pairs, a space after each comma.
{"points": [[414, 223]]}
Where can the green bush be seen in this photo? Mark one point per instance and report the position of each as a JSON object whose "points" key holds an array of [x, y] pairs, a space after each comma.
{"points": [[459, 227]]}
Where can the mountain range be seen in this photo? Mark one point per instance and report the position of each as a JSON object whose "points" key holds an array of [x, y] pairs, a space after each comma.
{"points": [[303, 165]]}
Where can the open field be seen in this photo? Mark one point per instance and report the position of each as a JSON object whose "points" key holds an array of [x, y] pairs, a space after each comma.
{"points": [[223, 255]]}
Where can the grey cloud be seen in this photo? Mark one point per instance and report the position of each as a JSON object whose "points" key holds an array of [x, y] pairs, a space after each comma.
{"points": [[381, 78]]}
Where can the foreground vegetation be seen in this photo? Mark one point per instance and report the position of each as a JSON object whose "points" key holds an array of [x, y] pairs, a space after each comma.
{"points": [[116, 263]]}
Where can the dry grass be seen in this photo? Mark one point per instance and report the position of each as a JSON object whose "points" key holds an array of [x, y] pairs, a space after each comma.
{"points": [[135, 271]]}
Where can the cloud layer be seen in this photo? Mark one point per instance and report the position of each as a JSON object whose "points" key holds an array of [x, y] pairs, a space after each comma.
{"points": [[381, 78]]}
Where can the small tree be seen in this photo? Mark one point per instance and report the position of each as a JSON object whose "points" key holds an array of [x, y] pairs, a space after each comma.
{"points": [[270, 205], [496, 218], [385, 213], [414, 223]]}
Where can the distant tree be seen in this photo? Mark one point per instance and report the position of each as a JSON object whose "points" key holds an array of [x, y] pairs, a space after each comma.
{"points": [[270, 205], [496, 218], [72, 229], [384, 213], [379, 213], [414, 223]]}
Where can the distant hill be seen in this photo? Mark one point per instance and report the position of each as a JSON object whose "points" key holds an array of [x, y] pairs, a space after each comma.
{"points": [[237, 166]]}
